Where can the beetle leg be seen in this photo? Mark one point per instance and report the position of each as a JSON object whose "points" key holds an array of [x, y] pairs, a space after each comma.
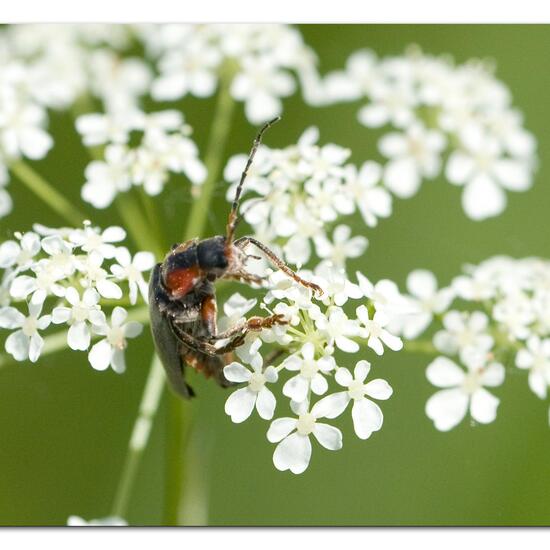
{"points": [[209, 313], [244, 241], [251, 325], [245, 277]]}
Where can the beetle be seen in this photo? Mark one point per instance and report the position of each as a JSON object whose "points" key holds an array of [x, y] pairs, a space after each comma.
{"points": [[182, 298]]}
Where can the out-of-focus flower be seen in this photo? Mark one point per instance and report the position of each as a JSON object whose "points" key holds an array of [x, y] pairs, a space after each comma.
{"points": [[464, 390], [439, 107], [535, 357]]}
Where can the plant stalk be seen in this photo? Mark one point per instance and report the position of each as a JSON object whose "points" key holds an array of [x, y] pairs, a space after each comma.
{"points": [[140, 436], [46, 192], [179, 411]]}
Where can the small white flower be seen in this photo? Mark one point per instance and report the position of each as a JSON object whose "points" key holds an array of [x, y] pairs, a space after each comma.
{"points": [[261, 84], [485, 172], [516, 313], [44, 284], [235, 309], [91, 239], [110, 350], [536, 358], [390, 103], [21, 129], [366, 414], [463, 391], [293, 451], [310, 373], [337, 288], [422, 285], [373, 200], [187, 70], [95, 276], [83, 310], [20, 254], [241, 403], [338, 328], [465, 334], [384, 295], [342, 247], [25, 342], [105, 179], [103, 128], [130, 269], [61, 260], [373, 330], [414, 154]]}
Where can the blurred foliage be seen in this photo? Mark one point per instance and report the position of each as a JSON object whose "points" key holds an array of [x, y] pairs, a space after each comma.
{"points": [[65, 427]]}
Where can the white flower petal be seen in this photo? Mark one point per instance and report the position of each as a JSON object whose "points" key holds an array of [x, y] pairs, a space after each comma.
{"points": [[11, 318], [331, 406], [361, 371], [378, 389], [447, 408], [78, 336], [328, 436], [343, 377], [482, 198], [293, 453], [483, 406], [296, 388], [240, 404], [280, 428], [367, 418], [100, 355], [265, 404], [17, 345], [444, 373], [235, 372]]}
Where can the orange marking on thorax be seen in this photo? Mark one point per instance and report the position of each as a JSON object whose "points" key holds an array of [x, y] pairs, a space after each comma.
{"points": [[181, 281]]}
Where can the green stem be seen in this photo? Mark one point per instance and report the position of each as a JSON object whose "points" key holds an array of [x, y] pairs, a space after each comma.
{"points": [[179, 412], [154, 219], [420, 346], [45, 191], [140, 436], [180, 420], [219, 133], [133, 219]]}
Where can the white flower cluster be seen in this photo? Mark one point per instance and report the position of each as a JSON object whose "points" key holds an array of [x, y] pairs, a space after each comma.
{"points": [[302, 190], [262, 62], [455, 119], [50, 67], [501, 317], [66, 271], [301, 356], [164, 148]]}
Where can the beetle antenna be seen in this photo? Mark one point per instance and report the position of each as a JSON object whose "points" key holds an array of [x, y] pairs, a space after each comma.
{"points": [[233, 217]]}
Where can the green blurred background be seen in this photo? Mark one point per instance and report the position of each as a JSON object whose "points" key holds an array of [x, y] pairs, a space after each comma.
{"points": [[64, 427]]}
